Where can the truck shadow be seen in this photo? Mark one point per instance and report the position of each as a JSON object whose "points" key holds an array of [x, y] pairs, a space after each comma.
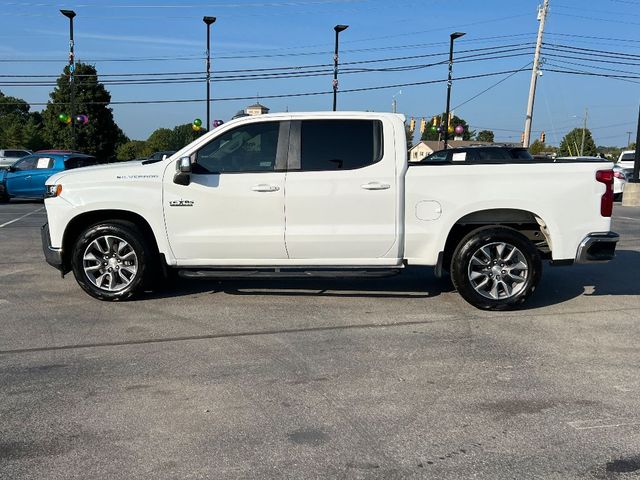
{"points": [[621, 276]]}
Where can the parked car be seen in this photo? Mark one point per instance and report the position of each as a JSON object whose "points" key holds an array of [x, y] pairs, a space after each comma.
{"points": [[621, 176], [9, 157], [626, 159], [480, 154], [26, 178], [269, 195], [157, 156]]}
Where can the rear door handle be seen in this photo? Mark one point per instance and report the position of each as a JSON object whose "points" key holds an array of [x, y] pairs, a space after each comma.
{"points": [[263, 187], [375, 186]]}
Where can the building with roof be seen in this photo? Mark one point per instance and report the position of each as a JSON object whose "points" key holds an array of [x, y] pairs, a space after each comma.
{"points": [[256, 109]]}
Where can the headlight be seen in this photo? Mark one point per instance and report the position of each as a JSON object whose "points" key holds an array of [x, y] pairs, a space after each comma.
{"points": [[53, 191]]}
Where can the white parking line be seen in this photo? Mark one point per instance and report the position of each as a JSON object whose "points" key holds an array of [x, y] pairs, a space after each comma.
{"points": [[20, 218]]}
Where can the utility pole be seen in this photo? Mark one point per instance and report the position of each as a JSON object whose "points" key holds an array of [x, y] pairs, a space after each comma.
{"points": [[542, 15], [208, 21], [629, 139], [584, 131]]}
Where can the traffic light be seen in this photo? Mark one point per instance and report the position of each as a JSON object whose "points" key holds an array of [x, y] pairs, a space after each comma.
{"points": [[435, 121], [412, 125], [423, 125], [542, 137]]}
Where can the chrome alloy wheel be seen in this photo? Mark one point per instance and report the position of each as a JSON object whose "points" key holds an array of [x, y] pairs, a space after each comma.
{"points": [[110, 263], [498, 270]]}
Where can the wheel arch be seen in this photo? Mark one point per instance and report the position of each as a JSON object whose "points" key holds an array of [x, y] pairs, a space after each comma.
{"points": [[524, 221], [80, 222]]}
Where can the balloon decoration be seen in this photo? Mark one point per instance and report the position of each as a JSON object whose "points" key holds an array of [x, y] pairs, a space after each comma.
{"points": [[459, 130], [217, 123], [80, 119], [196, 125], [450, 129]]}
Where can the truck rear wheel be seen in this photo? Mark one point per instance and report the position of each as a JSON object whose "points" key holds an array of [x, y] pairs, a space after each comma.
{"points": [[111, 260], [496, 268]]}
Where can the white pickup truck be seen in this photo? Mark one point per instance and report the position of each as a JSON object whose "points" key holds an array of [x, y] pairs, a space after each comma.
{"points": [[324, 194]]}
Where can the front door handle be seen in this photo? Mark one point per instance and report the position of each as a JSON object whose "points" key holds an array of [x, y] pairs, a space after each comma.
{"points": [[28, 177], [375, 186], [263, 187]]}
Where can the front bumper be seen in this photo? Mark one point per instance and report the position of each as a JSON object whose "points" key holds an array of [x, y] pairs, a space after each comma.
{"points": [[53, 256], [597, 247]]}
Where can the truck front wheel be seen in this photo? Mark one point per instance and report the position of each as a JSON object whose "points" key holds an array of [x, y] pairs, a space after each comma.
{"points": [[495, 268], [111, 260]]}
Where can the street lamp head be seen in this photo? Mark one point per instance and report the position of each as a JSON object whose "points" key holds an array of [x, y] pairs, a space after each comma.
{"points": [[455, 35], [68, 13], [208, 20], [340, 28]]}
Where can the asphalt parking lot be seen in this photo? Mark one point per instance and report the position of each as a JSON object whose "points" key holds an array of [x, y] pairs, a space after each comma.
{"points": [[372, 378]]}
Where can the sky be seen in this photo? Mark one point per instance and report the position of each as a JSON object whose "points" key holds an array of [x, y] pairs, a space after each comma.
{"points": [[401, 42]]}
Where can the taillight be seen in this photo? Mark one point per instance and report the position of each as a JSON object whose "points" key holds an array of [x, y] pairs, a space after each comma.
{"points": [[606, 202]]}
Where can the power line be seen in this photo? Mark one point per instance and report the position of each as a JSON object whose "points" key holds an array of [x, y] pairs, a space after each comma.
{"points": [[594, 18], [591, 51], [289, 95], [573, 35], [491, 86]]}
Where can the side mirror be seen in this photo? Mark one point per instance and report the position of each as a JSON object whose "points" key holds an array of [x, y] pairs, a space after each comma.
{"points": [[183, 171], [11, 169]]}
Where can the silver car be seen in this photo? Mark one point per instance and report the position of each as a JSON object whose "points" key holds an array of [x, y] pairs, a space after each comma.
{"points": [[9, 157]]}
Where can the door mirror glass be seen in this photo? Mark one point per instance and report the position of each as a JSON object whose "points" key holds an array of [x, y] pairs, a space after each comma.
{"points": [[183, 171], [184, 165]]}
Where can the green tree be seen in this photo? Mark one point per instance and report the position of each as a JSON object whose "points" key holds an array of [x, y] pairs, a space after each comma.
{"points": [[13, 106], [537, 147], [160, 139], [183, 135], [101, 136], [430, 134], [17, 125], [131, 150], [572, 141], [485, 136]]}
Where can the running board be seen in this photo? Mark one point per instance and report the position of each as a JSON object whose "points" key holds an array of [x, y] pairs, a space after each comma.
{"points": [[289, 273]]}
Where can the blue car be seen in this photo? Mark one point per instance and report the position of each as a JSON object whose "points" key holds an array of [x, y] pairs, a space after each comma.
{"points": [[26, 177]]}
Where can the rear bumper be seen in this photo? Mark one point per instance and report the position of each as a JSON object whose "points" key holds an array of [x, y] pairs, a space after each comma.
{"points": [[53, 256], [597, 247]]}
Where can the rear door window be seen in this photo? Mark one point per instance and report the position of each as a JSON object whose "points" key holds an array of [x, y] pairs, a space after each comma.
{"points": [[339, 144]]}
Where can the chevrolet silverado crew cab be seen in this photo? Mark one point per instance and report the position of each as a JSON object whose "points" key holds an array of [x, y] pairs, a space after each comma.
{"points": [[324, 194]]}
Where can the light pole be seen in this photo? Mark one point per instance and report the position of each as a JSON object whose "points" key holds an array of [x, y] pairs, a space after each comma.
{"points": [[453, 36], [338, 29], [72, 82], [208, 21], [394, 102]]}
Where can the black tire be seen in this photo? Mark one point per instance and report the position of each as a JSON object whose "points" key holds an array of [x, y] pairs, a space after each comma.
{"points": [[4, 198], [503, 291], [144, 255]]}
